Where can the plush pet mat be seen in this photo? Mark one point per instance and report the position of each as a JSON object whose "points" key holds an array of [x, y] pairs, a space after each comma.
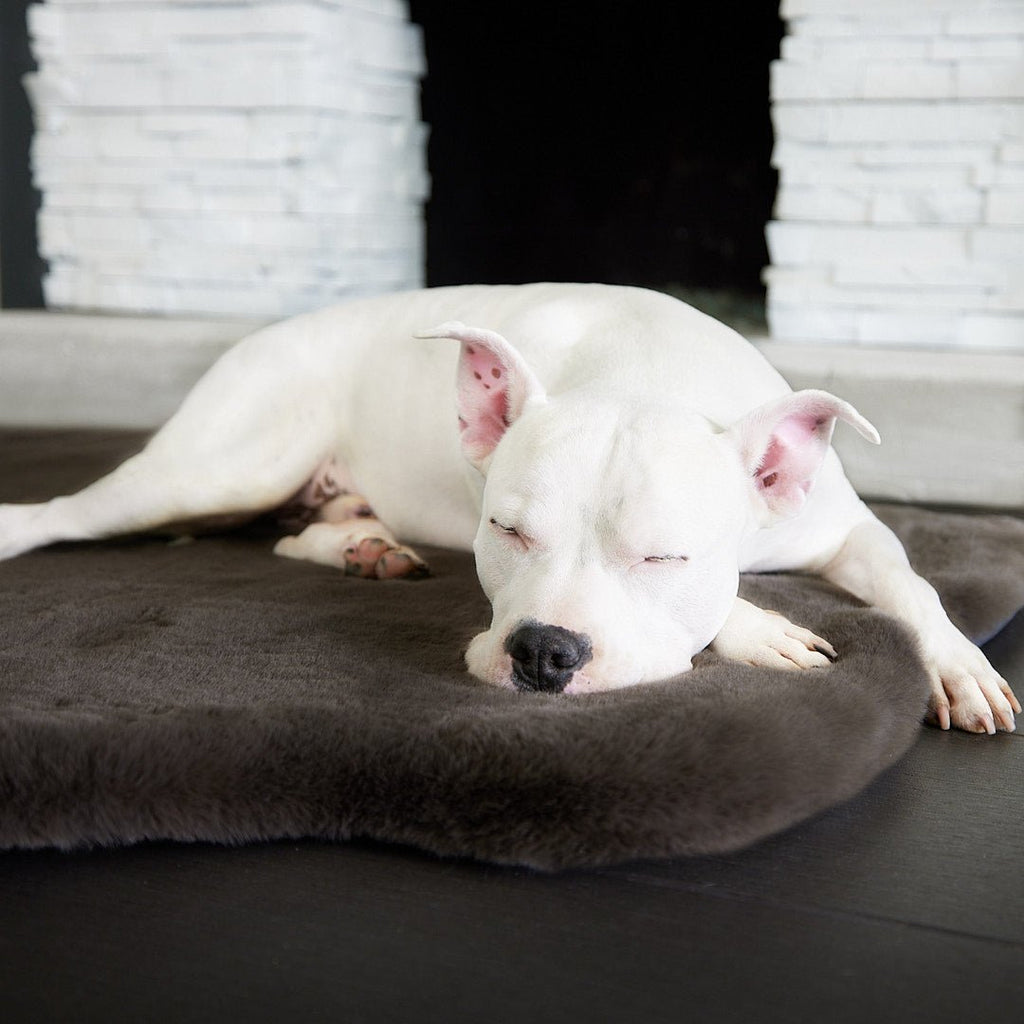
{"points": [[212, 691]]}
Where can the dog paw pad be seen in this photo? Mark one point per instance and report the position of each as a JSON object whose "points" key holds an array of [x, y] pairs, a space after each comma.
{"points": [[400, 563]]}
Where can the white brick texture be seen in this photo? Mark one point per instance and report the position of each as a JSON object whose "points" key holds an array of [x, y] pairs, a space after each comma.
{"points": [[260, 157], [899, 141]]}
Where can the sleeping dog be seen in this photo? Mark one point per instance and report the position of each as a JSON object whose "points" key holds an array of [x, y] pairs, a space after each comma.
{"points": [[614, 458]]}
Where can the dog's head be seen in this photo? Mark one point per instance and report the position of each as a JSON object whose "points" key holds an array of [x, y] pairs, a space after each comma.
{"points": [[611, 526]]}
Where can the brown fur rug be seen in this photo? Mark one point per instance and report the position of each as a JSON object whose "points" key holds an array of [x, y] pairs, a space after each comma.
{"points": [[211, 691]]}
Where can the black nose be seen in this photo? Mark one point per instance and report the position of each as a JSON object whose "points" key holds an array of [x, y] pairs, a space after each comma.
{"points": [[545, 657]]}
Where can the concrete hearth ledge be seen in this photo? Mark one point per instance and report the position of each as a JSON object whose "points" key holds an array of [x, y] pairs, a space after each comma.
{"points": [[72, 369], [952, 422]]}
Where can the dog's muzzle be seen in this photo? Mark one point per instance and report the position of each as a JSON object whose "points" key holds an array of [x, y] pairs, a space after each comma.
{"points": [[545, 658]]}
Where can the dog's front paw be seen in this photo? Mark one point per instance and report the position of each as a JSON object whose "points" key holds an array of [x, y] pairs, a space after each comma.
{"points": [[769, 640], [967, 692]]}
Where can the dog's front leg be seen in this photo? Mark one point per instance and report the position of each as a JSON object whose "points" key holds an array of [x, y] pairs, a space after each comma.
{"points": [[769, 640], [966, 691]]}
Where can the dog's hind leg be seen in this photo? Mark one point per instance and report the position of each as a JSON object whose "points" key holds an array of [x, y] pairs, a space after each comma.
{"points": [[241, 444], [148, 492], [348, 536]]}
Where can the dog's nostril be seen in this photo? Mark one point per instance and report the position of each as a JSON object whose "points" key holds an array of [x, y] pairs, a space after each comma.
{"points": [[545, 657], [566, 656]]}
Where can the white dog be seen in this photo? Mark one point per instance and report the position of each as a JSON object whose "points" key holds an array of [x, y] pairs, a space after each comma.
{"points": [[614, 464]]}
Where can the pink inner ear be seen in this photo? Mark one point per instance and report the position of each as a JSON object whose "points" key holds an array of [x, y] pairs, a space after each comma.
{"points": [[483, 393], [792, 457]]}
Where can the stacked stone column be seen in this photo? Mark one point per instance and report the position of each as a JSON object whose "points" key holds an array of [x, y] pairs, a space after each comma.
{"points": [[899, 131], [254, 157]]}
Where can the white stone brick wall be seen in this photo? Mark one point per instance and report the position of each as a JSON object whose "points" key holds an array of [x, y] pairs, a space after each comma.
{"points": [[251, 157], [899, 129]]}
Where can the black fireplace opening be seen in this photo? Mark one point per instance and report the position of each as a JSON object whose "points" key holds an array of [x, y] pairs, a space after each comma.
{"points": [[584, 141]]}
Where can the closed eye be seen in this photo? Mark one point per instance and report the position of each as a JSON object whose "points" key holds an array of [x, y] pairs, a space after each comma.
{"points": [[511, 531], [666, 558], [517, 540]]}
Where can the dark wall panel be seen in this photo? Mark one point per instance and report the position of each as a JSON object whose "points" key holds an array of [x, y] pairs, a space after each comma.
{"points": [[21, 270]]}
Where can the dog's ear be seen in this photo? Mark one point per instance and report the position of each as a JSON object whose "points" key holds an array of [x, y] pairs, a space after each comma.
{"points": [[493, 385], [783, 443]]}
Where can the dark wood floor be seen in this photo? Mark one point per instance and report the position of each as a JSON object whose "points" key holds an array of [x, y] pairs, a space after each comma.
{"points": [[903, 905]]}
